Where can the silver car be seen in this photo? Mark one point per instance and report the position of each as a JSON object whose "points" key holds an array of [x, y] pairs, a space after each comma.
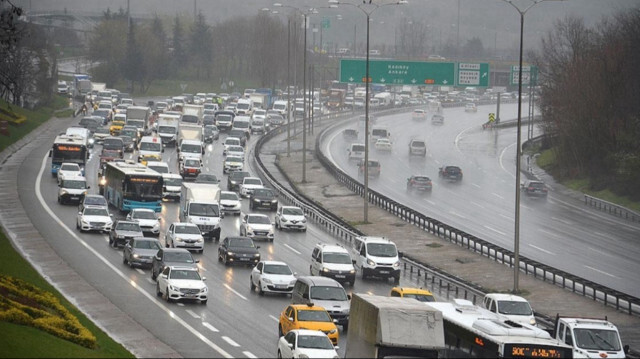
{"points": [[140, 251]]}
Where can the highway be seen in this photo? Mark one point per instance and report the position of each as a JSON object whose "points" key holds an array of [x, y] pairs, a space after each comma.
{"points": [[559, 231], [234, 323]]}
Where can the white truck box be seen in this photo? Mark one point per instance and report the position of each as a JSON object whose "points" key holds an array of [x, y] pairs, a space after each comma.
{"points": [[200, 204]]}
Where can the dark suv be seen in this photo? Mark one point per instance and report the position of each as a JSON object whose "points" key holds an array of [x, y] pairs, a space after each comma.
{"points": [[235, 180], [263, 198], [238, 250], [420, 183], [535, 189], [171, 257], [451, 173]]}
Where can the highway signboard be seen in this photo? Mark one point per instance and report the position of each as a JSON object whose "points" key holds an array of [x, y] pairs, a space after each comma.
{"points": [[473, 74], [529, 75], [398, 72]]}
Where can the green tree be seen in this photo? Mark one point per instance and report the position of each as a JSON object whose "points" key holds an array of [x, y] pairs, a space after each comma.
{"points": [[200, 46], [107, 46]]}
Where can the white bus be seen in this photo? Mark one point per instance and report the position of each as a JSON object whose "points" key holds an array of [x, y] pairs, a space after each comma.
{"points": [[474, 332], [129, 185]]}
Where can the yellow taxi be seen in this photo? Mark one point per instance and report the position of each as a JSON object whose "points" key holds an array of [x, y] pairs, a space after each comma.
{"points": [[419, 294], [116, 127], [144, 159], [307, 316]]}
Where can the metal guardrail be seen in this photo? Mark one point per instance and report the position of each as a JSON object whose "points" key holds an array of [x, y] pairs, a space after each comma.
{"points": [[610, 297], [611, 208]]}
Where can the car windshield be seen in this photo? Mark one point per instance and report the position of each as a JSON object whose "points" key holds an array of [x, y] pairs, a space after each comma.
{"points": [[281, 269], [151, 146], [232, 141], [241, 124], [510, 307], [224, 118], [178, 257], [234, 159], [241, 243], [186, 229], [421, 179], [74, 184], [70, 167], [95, 200], [314, 342], [292, 211], [265, 193], [96, 212], [113, 144], [190, 119], [191, 163], [103, 130], [417, 144], [236, 133], [253, 181], [258, 220], [207, 178], [538, 185], [451, 169], [420, 297], [128, 132], [597, 339], [328, 293], [167, 129], [204, 210], [313, 316], [143, 215], [190, 148], [184, 274], [382, 133], [382, 249], [238, 175], [229, 196], [358, 148], [338, 258], [159, 169], [128, 226], [236, 149], [172, 181], [146, 244]]}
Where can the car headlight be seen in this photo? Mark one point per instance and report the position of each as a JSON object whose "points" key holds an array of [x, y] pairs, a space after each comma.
{"points": [[257, 255], [103, 181], [370, 262], [274, 201], [230, 253], [326, 270], [204, 290], [266, 280], [83, 221], [396, 264], [136, 255], [256, 200], [119, 236], [532, 321], [174, 288], [283, 219], [200, 240], [63, 193], [353, 271], [91, 140], [304, 220], [293, 282], [156, 225], [178, 239], [333, 331]]}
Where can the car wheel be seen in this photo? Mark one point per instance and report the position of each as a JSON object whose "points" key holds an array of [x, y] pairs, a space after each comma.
{"points": [[226, 260], [166, 295], [77, 225], [204, 302], [260, 291], [158, 292], [153, 275], [253, 286], [396, 279], [279, 354], [364, 274], [271, 239], [124, 259], [278, 226], [280, 330], [310, 270], [219, 257]]}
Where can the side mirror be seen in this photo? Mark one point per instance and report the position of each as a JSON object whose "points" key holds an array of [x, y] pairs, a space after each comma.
{"points": [[305, 295], [221, 214], [163, 276], [290, 345], [353, 261], [291, 320], [336, 347], [349, 296], [400, 254], [50, 152], [257, 247], [204, 278], [197, 261]]}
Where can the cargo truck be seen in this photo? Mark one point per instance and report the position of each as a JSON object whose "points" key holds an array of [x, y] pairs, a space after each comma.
{"points": [[192, 114], [336, 99], [168, 126], [81, 86], [392, 326], [200, 205]]}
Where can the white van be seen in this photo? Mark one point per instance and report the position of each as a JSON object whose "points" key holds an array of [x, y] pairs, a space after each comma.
{"points": [[281, 106], [150, 146], [242, 123], [71, 189], [511, 307], [332, 261], [244, 107], [377, 257], [379, 132], [356, 151]]}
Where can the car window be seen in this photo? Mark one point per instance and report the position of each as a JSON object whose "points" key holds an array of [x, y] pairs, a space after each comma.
{"points": [[314, 342], [96, 212], [277, 269], [184, 274], [126, 226], [293, 211], [338, 258], [185, 229], [313, 316], [143, 215], [328, 293], [252, 181], [241, 243], [178, 257], [382, 249], [146, 244], [258, 220]]}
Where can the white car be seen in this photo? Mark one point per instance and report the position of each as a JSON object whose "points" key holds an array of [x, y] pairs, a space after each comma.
{"points": [[147, 218], [230, 141], [305, 343], [230, 202], [237, 151], [94, 218], [159, 166], [68, 169], [175, 283], [257, 226], [232, 163], [383, 144], [272, 277], [248, 185], [419, 115], [184, 235], [291, 217], [259, 114]]}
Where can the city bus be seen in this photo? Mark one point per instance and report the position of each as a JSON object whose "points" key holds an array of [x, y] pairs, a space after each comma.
{"points": [[68, 148], [127, 185], [474, 332]]}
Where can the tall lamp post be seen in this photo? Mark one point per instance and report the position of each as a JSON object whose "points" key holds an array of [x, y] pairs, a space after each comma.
{"points": [[367, 9], [516, 245]]}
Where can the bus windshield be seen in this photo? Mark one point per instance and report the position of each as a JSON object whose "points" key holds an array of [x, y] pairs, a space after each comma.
{"points": [[143, 188], [69, 153]]}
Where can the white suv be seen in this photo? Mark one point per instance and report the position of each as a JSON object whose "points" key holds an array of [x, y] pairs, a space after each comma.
{"points": [[290, 217], [332, 261], [417, 147], [176, 283]]}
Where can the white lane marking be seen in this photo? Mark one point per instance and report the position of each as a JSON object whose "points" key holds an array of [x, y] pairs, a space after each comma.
{"points": [[295, 251], [497, 195], [495, 230], [502, 153], [210, 327], [150, 281], [233, 290], [600, 252], [505, 216], [249, 354], [140, 271], [274, 318], [476, 204], [230, 341], [552, 234], [459, 137], [600, 271], [476, 185], [192, 313], [457, 214], [117, 271], [562, 221], [431, 202], [542, 249], [180, 304]]}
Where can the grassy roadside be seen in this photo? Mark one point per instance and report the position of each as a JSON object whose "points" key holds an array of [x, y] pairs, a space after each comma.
{"points": [[546, 161], [28, 342], [173, 88]]}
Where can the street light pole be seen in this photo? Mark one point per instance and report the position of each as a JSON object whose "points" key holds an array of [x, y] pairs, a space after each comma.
{"points": [[288, 86], [304, 104], [366, 98], [516, 245]]}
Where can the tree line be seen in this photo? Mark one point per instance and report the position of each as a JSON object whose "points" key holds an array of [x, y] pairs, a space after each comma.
{"points": [[590, 100]]}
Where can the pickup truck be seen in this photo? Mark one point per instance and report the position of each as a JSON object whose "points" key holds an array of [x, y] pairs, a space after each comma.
{"points": [[590, 337]]}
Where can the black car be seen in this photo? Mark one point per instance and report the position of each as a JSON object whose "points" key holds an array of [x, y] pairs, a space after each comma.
{"points": [[207, 178], [535, 189], [235, 180], [122, 231], [238, 250], [171, 257], [263, 198], [129, 145], [420, 183], [242, 135], [450, 173]]}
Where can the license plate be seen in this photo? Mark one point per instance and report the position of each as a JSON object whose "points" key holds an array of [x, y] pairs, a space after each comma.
{"points": [[75, 197], [340, 276], [190, 244], [281, 286], [384, 272], [244, 259], [190, 295]]}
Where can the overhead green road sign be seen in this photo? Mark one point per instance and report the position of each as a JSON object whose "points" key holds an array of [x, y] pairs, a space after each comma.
{"points": [[398, 72], [529, 75], [473, 74]]}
